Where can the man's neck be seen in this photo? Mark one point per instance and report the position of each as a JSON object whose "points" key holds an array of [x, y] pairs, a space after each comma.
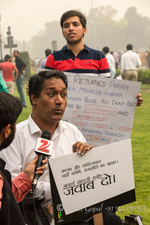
{"points": [[76, 48], [44, 125]]}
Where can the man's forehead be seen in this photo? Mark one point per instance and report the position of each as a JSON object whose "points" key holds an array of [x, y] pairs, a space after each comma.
{"points": [[54, 83], [72, 19]]}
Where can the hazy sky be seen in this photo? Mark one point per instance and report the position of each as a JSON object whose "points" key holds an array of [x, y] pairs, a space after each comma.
{"points": [[27, 17]]}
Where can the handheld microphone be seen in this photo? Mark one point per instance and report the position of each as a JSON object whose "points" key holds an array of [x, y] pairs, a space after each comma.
{"points": [[43, 148]]}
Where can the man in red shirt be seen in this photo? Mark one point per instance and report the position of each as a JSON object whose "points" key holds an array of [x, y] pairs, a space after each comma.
{"points": [[8, 68]]}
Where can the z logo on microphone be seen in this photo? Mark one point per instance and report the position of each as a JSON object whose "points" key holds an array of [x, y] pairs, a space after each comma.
{"points": [[44, 146]]}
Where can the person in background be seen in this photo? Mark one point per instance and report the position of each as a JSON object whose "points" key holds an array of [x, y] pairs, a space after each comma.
{"points": [[111, 61], [8, 68], [116, 56], [147, 56], [37, 63], [20, 64], [75, 56], [10, 214], [130, 62], [43, 61], [3, 86]]}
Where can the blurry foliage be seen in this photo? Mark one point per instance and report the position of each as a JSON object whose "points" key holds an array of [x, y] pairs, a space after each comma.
{"points": [[143, 75], [117, 72], [43, 40], [26, 58]]}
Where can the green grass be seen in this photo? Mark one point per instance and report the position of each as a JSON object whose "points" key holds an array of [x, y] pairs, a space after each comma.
{"points": [[145, 86], [26, 111], [141, 157], [141, 162]]}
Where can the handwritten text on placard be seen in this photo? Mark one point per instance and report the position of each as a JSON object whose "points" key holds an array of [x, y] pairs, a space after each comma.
{"points": [[103, 109]]}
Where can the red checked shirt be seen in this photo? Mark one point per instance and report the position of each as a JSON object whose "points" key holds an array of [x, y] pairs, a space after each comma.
{"points": [[21, 185]]}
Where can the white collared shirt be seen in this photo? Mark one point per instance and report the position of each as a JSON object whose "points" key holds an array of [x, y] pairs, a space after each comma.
{"points": [[130, 61], [21, 151]]}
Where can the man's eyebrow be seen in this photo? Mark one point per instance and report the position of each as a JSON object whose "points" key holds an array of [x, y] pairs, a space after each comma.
{"points": [[54, 88], [67, 23]]}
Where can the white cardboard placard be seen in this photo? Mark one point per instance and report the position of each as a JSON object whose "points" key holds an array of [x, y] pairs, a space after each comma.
{"points": [[102, 108], [102, 173]]}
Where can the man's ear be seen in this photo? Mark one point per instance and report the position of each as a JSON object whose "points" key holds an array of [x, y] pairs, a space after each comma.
{"points": [[62, 32], [84, 30], [6, 131], [33, 99]]}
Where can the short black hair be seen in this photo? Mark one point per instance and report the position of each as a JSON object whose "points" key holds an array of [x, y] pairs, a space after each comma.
{"points": [[10, 109], [48, 52], [16, 51], [36, 81], [129, 47], [72, 13], [7, 57], [105, 50]]}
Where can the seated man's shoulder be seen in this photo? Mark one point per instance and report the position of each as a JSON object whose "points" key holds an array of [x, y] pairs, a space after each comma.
{"points": [[22, 127], [22, 124]]}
